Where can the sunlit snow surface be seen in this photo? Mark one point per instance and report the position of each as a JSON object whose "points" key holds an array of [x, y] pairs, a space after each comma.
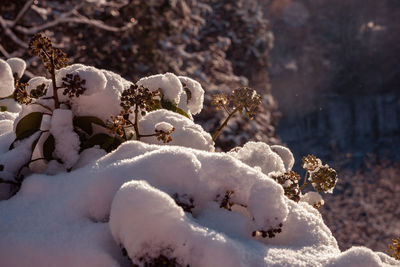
{"points": [[125, 199]]}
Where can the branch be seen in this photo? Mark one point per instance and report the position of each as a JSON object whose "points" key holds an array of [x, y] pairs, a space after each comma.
{"points": [[217, 133], [76, 18], [23, 11], [4, 51], [5, 25]]}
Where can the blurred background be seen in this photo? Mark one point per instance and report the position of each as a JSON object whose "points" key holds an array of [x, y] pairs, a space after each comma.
{"points": [[328, 72]]}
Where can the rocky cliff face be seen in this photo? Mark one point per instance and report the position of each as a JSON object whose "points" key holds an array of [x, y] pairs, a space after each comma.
{"points": [[345, 128], [335, 73]]}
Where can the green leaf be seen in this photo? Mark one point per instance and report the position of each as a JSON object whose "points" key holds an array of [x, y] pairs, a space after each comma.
{"points": [[97, 139], [106, 142], [171, 106], [3, 108], [28, 125], [48, 147], [85, 123]]}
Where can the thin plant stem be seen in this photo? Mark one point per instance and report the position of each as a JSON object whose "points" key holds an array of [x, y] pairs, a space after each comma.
{"points": [[218, 132], [135, 125], [53, 78], [306, 181]]}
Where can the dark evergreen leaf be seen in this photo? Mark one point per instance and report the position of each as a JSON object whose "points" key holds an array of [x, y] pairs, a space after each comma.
{"points": [[166, 104], [28, 125], [85, 123], [48, 147]]}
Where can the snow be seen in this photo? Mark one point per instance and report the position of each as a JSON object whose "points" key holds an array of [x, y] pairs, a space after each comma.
{"points": [[17, 65], [186, 133], [169, 84], [312, 198], [132, 197], [36, 81], [163, 127], [260, 154], [66, 140], [285, 154], [195, 104], [6, 78], [80, 218]]}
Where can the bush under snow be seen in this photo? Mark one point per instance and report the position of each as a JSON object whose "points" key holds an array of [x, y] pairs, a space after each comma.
{"points": [[182, 201]]}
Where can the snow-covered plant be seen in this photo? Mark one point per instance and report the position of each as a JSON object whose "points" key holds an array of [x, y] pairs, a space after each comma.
{"points": [[321, 177], [139, 100], [242, 100], [60, 117]]}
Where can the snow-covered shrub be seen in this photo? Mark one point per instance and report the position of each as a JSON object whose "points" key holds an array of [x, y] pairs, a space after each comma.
{"points": [[181, 203], [82, 108]]}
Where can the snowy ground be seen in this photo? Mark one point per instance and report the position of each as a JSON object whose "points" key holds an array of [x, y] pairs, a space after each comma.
{"points": [[153, 199]]}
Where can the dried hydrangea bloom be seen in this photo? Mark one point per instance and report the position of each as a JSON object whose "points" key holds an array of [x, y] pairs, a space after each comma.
{"points": [[290, 183], [116, 125], [21, 94], [311, 163], [324, 179], [220, 100], [247, 99]]}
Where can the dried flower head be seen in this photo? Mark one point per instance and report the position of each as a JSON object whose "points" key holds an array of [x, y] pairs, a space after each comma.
{"points": [[290, 183], [116, 125], [311, 163], [247, 99], [324, 179], [40, 45], [21, 94], [39, 91], [60, 59], [73, 85], [270, 233], [318, 205], [140, 96], [394, 248], [163, 135], [220, 100]]}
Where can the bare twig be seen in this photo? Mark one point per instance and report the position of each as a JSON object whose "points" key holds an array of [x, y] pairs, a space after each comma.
{"points": [[23, 11]]}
